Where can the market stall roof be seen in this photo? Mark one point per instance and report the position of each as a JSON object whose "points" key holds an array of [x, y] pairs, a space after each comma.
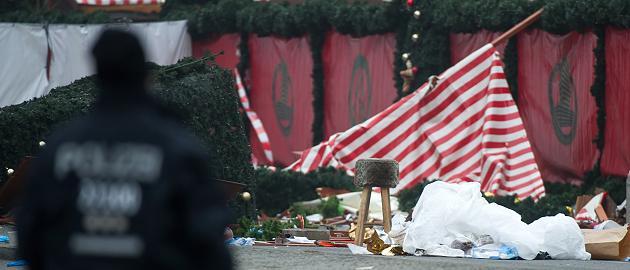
{"points": [[119, 2], [139, 6]]}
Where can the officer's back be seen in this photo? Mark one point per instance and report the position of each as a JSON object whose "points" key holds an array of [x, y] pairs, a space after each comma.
{"points": [[124, 187]]}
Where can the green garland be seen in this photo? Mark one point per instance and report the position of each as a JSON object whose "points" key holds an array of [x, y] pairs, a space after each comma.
{"points": [[431, 52], [401, 37], [598, 89], [510, 60], [316, 43], [473, 15]]}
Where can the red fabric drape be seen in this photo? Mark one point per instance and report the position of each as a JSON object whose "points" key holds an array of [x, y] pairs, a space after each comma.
{"points": [[281, 92], [227, 43], [463, 44], [358, 79], [616, 153], [554, 82]]}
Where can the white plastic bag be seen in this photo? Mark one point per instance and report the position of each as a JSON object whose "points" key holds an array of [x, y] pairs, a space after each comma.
{"points": [[563, 238]]}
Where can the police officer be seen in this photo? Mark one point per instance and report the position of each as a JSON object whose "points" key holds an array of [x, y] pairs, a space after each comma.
{"points": [[124, 187]]}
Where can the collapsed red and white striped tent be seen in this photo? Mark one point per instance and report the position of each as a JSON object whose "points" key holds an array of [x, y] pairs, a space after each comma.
{"points": [[119, 2], [466, 128]]}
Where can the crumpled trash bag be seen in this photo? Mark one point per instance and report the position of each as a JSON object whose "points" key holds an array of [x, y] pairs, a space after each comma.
{"points": [[562, 237], [446, 211]]}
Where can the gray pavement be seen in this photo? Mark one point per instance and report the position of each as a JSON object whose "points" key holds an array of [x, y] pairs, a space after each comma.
{"points": [[291, 258]]}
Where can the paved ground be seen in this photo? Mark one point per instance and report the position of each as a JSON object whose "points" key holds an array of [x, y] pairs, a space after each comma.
{"points": [[291, 258]]}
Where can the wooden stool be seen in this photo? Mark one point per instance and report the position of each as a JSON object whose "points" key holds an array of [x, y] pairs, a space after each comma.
{"points": [[371, 173]]}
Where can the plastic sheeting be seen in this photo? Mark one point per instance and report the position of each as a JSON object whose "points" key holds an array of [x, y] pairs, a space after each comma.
{"points": [[281, 93], [463, 44], [616, 153], [555, 75], [164, 44], [23, 66], [446, 212], [71, 57], [358, 79], [227, 43]]}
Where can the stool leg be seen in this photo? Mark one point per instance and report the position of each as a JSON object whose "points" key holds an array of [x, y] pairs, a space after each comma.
{"points": [[363, 214], [387, 210]]}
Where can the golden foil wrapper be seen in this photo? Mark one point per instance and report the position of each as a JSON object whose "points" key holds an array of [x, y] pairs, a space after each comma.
{"points": [[375, 244], [393, 251]]}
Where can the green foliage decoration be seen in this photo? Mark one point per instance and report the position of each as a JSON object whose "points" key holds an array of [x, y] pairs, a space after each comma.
{"points": [[331, 207]]}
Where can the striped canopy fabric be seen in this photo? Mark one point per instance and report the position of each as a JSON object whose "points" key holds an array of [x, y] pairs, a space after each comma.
{"points": [[118, 2], [465, 128], [257, 124]]}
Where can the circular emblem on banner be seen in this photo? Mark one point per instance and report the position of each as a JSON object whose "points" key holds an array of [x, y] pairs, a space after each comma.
{"points": [[360, 94], [282, 97], [563, 102]]}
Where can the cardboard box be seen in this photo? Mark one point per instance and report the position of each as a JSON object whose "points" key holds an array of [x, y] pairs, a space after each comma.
{"points": [[611, 244]]}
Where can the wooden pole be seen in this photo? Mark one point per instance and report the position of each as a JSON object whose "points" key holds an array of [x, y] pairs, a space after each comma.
{"points": [[518, 28], [387, 210], [364, 210]]}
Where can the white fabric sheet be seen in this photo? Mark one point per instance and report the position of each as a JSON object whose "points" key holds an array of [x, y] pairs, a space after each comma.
{"points": [[164, 43], [71, 56], [23, 51]]}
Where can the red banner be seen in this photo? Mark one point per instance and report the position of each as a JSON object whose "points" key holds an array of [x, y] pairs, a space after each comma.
{"points": [[358, 79], [616, 153], [281, 92], [227, 43], [554, 98], [464, 44]]}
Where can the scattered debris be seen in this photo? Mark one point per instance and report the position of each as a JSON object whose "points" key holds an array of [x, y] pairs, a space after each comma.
{"points": [[301, 240], [312, 234], [357, 250], [241, 242], [375, 244]]}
